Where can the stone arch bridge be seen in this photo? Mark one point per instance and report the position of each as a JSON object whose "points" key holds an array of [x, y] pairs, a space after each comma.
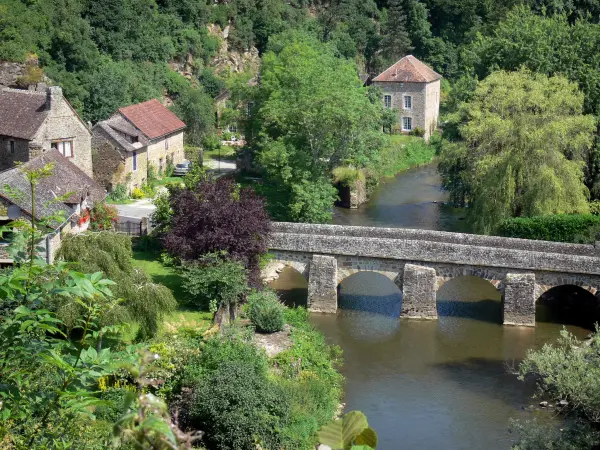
{"points": [[420, 261]]}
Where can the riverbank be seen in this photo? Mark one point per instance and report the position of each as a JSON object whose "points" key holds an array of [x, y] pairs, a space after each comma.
{"points": [[402, 153]]}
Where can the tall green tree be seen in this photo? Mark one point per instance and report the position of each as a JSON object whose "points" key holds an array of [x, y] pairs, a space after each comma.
{"points": [[396, 41], [313, 115], [526, 141]]}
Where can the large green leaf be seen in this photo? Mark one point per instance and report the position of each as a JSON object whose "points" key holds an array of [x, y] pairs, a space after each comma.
{"points": [[368, 438], [340, 434]]}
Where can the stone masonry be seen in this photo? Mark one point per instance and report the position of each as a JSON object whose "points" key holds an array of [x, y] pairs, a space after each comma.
{"points": [[420, 261]]}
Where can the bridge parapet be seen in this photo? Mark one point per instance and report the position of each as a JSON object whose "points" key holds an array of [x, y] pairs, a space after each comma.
{"points": [[437, 236]]}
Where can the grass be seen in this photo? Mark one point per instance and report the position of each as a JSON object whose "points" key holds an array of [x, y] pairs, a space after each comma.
{"points": [[226, 153], [166, 180], [127, 201], [184, 316], [403, 153]]}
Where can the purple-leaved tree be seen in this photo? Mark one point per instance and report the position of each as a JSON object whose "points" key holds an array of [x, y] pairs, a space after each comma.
{"points": [[216, 216]]}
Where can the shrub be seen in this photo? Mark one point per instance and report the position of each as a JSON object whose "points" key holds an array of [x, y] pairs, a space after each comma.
{"points": [[213, 281], [266, 312], [347, 176], [235, 401], [151, 173], [137, 193], [595, 207], [170, 166], [103, 217], [418, 131], [148, 190], [119, 193], [558, 228]]}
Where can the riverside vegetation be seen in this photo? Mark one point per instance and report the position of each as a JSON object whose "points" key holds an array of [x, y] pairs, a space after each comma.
{"points": [[88, 362]]}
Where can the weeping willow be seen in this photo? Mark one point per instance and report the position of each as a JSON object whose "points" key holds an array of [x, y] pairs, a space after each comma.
{"points": [[145, 302], [525, 143]]}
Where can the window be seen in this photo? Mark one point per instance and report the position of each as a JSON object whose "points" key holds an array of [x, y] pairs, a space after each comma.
{"points": [[64, 147], [12, 147], [387, 101], [166, 143], [134, 160], [407, 102], [406, 124]]}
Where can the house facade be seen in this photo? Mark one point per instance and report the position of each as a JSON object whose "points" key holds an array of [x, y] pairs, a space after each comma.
{"points": [[66, 195], [412, 89], [34, 122], [132, 139]]}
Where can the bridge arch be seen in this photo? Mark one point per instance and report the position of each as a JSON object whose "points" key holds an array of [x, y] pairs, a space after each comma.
{"points": [[297, 261], [569, 304], [370, 291], [348, 266], [447, 273]]}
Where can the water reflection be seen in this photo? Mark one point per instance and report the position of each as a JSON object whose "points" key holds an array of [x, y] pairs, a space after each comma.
{"points": [[470, 297], [413, 199], [384, 296]]}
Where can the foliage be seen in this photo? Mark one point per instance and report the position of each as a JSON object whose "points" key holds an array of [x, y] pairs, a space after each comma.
{"points": [[566, 370], [170, 166], [214, 280], [194, 107], [535, 435], [558, 227], [218, 216], [265, 311], [395, 40], [312, 115], [163, 214], [137, 193], [119, 193], [349, 431], [145, 303], [147, 423], [526, 140], [103, 217], [402, 153], [347, 175]]}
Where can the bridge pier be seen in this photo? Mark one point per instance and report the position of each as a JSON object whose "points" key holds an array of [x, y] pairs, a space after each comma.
{"points": [[322, 284], [419, 287], [518, 299]]}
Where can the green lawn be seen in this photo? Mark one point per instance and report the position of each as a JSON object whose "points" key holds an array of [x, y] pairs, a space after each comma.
{"points": [[226, 153], [166, 180], [184, 316]]}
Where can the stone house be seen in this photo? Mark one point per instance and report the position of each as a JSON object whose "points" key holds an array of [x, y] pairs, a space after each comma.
{"points": [[33, 122], [66, 195], [412, 89], [133, 138]]}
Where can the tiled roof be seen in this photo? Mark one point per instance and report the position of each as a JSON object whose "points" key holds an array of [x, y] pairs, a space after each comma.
{"points": [[152, 118], [408, 70], [66, 178], [21, 112]]}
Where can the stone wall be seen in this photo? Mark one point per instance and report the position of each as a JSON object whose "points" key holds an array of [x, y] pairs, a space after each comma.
{"points": [[113, 166], [7, 158], [397, 91], [171, 145], [432, 107], [63, 123], [436, 236]]}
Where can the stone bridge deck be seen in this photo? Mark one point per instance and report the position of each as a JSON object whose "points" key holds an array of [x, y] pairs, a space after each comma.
{"points": [[420, 261]]}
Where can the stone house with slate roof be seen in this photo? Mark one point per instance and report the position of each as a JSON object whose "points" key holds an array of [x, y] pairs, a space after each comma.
{"points": [[67, 193], [131, 139], [412, 89], [33, 122]]}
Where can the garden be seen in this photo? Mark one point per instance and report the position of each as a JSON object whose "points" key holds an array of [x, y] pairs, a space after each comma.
{"points": [[159, 347]]}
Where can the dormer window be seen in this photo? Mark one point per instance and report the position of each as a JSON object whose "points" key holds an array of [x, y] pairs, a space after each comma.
{"points": [[64, 147]]}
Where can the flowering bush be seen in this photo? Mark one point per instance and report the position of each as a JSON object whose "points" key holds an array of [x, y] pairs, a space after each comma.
{"points": [[103, 217], [137, 193], [84, 217]]}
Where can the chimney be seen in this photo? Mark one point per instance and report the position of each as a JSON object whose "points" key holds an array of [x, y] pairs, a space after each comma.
{"points": [[53, 96]]}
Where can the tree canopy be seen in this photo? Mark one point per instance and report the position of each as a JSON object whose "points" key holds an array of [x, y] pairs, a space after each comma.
{"points": [[525, 141]]}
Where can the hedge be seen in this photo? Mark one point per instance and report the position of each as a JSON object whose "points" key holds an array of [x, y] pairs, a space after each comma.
{"points": [[577, 228]]}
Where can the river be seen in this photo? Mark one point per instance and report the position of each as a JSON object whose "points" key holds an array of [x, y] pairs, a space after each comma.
{"points": [[444, 384]]}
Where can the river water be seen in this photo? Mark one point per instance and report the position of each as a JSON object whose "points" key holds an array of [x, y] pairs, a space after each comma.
{"points": [[444, 384]]}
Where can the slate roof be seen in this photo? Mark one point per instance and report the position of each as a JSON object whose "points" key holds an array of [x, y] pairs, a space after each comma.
{"points": [[21, 112], [117, 126], [66, 178], [152, 118], [408, 70]]}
